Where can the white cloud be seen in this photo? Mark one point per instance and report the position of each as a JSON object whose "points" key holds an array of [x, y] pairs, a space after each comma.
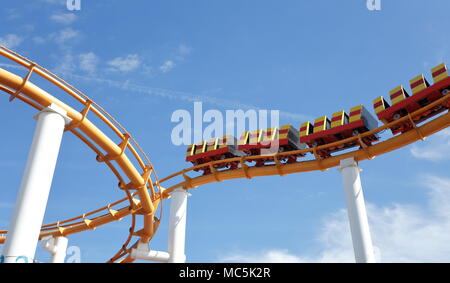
{"points": [[64, 35], [435, 149], [401, 233], [125, 64], [61, 37], [272, 256], [63, 18], [66, 64], [167, 66], [88, 62], [11, 40]]}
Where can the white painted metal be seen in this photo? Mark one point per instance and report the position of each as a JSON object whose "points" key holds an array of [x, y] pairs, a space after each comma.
{"points": [[143, 252], [359, 225], [177, 225], [26, 222], [57, 247]]}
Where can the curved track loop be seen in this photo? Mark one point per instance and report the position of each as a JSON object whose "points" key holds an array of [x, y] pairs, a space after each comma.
{"points": [[107, 214], [140, 178]]}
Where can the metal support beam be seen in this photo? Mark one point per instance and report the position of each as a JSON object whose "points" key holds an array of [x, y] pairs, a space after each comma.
{"points": [[177, 225], [26, 222], [359, 224]]}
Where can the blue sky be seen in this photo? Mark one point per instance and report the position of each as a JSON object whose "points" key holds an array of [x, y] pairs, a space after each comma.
{"points": [[142, 60]]}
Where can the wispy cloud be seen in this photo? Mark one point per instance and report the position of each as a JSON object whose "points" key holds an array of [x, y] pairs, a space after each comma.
{"points": [[125, 64], [181, 53], [61, 38], [435, 149], [11, 40], [401, 233], [167, 66], [66, 64], [11, 66], [70, 63], [64, 35], [88, 62], [272, 256], [63, 18], [179, 95]]}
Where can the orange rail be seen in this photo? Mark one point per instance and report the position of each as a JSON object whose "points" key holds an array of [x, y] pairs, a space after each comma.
{"points": [[143, 179], [148, 189]]}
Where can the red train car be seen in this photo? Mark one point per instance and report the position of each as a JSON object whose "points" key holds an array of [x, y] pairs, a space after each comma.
{"points": [[422, 94], [340, 127], [269, 142], [214, 149]]}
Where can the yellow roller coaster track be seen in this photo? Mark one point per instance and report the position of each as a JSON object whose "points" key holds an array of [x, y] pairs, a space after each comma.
{"points": [[148, 194]]}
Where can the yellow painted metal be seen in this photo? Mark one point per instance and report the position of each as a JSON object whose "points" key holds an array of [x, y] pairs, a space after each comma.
{"points": [[441, 73], [284, 135], [338, 119], [382, 104], [398, 94], [244, 139], [355, 113], [270, 137], [321, 124], [307, 129], [212, 144], [226, 141], [200, 147], [418, 84], [190, 150], [256, 136]]}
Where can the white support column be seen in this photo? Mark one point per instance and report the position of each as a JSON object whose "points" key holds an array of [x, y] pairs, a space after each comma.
{"points": [[57, 247], [177, 225], [359, 225], [26, 222], [142, 251]]}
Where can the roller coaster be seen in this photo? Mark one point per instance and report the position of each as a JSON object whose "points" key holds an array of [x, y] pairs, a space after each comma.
{"points": [[328, 143]]}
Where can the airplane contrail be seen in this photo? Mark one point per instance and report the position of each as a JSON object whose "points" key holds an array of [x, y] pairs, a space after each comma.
{"points": [[175, 95]]}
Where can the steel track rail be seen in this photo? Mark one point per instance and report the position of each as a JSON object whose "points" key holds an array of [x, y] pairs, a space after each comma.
{"points": [[29, 93]]}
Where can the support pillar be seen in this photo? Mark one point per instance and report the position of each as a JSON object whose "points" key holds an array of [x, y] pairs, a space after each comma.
{"points": [[177, 226], [57, 247], [26, 222], [142, 251], [359, 225]]}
